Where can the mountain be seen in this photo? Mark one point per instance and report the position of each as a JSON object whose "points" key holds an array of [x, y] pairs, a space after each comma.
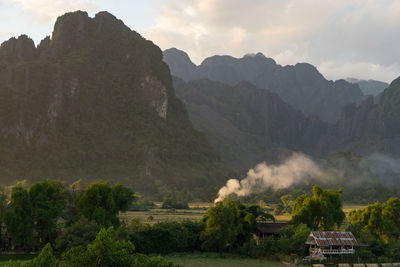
{"points": [[369, 87], [371, 127], [248, 125], [301, 85], [96, 101]]}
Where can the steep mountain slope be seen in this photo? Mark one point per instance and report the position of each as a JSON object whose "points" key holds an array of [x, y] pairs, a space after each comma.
{"points": [[369, 87], [301, 86], [96, 101], [373, 127], [248, 125]]}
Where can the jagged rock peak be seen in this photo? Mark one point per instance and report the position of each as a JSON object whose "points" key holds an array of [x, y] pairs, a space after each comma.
{"points": [[72, 28], [18, 49], [395, 83], [173, 54]]}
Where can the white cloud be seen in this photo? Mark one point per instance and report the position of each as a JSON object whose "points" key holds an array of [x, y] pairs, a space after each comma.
{"points": [[44, 11], [367, 70], [359, 36]]}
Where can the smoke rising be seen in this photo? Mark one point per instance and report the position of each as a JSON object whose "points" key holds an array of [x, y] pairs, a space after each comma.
{"points": [[386, 167], [298, 168], [341, 169]]}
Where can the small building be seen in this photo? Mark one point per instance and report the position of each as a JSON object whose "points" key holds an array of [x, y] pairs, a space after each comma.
{"points": [[271, 230], [331, 243]]}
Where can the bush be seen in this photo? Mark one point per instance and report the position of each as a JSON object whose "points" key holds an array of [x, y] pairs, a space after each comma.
{"points": [[171, 203], [106, 251], [166, 237], [80, 233]]}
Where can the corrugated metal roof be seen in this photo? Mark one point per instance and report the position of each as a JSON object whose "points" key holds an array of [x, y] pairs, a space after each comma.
{"points": [[326, 239]]}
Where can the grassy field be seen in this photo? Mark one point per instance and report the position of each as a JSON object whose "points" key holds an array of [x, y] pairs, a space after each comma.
{"points": [[206, 260], [185, 260], [5, 258], [160, 215], [196, 211]]}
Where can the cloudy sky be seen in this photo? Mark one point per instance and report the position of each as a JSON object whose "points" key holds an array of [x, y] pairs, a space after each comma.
{"points": [[343, 38]]}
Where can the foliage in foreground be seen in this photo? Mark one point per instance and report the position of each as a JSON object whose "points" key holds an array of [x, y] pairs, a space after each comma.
{"points": [[321, 210], [106, 251], [381, 220], [230, 225]]}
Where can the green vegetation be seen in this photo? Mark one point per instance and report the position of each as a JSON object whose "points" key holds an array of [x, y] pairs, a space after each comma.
{"points": [[102, 203], [84, 228], [323, 210], [229, 225]]}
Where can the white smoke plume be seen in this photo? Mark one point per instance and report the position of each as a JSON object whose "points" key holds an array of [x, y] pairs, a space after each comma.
{"points": [[298, 168], [386, 167]]}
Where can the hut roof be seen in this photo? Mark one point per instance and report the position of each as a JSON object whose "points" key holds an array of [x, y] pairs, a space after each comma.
{"points": [[326, 239], [270, 228]]}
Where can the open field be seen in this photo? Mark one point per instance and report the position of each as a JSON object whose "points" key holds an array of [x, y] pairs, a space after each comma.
{"points": [[206, 260], [5, 258], [160, 215], [196, 211]]}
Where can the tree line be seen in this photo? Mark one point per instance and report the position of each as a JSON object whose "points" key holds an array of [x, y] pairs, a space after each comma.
{"points": [[83, 227], [79, 223]]}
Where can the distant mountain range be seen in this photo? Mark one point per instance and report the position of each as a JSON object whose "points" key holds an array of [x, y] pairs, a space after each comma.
{"points": [[247, 124], [301, 85], [369, 87]]}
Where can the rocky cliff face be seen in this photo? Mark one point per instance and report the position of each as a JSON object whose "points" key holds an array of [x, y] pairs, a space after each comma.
{"points": [[301, 86], [372, 127], [96, 101], [248, 125]]}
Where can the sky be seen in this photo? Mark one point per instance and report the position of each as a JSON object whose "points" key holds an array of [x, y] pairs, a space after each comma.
{"points": [[342, 38]]}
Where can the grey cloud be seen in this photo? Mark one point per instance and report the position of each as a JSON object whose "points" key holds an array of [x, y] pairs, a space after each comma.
{"points": [[332, 34]]}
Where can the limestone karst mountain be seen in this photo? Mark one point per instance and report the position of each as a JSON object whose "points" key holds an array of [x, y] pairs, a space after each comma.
{"points": [[301, 85], [248, 125], [96, 101]]}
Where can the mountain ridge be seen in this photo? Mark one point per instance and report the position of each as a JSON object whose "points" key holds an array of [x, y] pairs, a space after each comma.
{"points": [[300, 85]]}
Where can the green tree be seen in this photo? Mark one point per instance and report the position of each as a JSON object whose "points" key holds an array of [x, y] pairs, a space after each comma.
{"points": [[48, 201], [322, 210], [382, 220], [287, 201], [80, 233], [18, 218], [45, 258], [106, 251], [230, 224], [293, 238], [102, 202], [221, 226], [3, 208]]}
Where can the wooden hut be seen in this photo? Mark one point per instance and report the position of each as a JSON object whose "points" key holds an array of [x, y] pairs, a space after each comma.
{"points": [[268, 230], [331, 243]]}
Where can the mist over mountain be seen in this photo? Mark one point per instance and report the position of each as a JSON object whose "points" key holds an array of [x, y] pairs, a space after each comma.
{"points": [[369, 87], [96, 101], [301, 85], [247, 125], [371, 127]]}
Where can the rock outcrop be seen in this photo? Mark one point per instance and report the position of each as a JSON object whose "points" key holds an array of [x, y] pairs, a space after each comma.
{"points": [[96, 101]]}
